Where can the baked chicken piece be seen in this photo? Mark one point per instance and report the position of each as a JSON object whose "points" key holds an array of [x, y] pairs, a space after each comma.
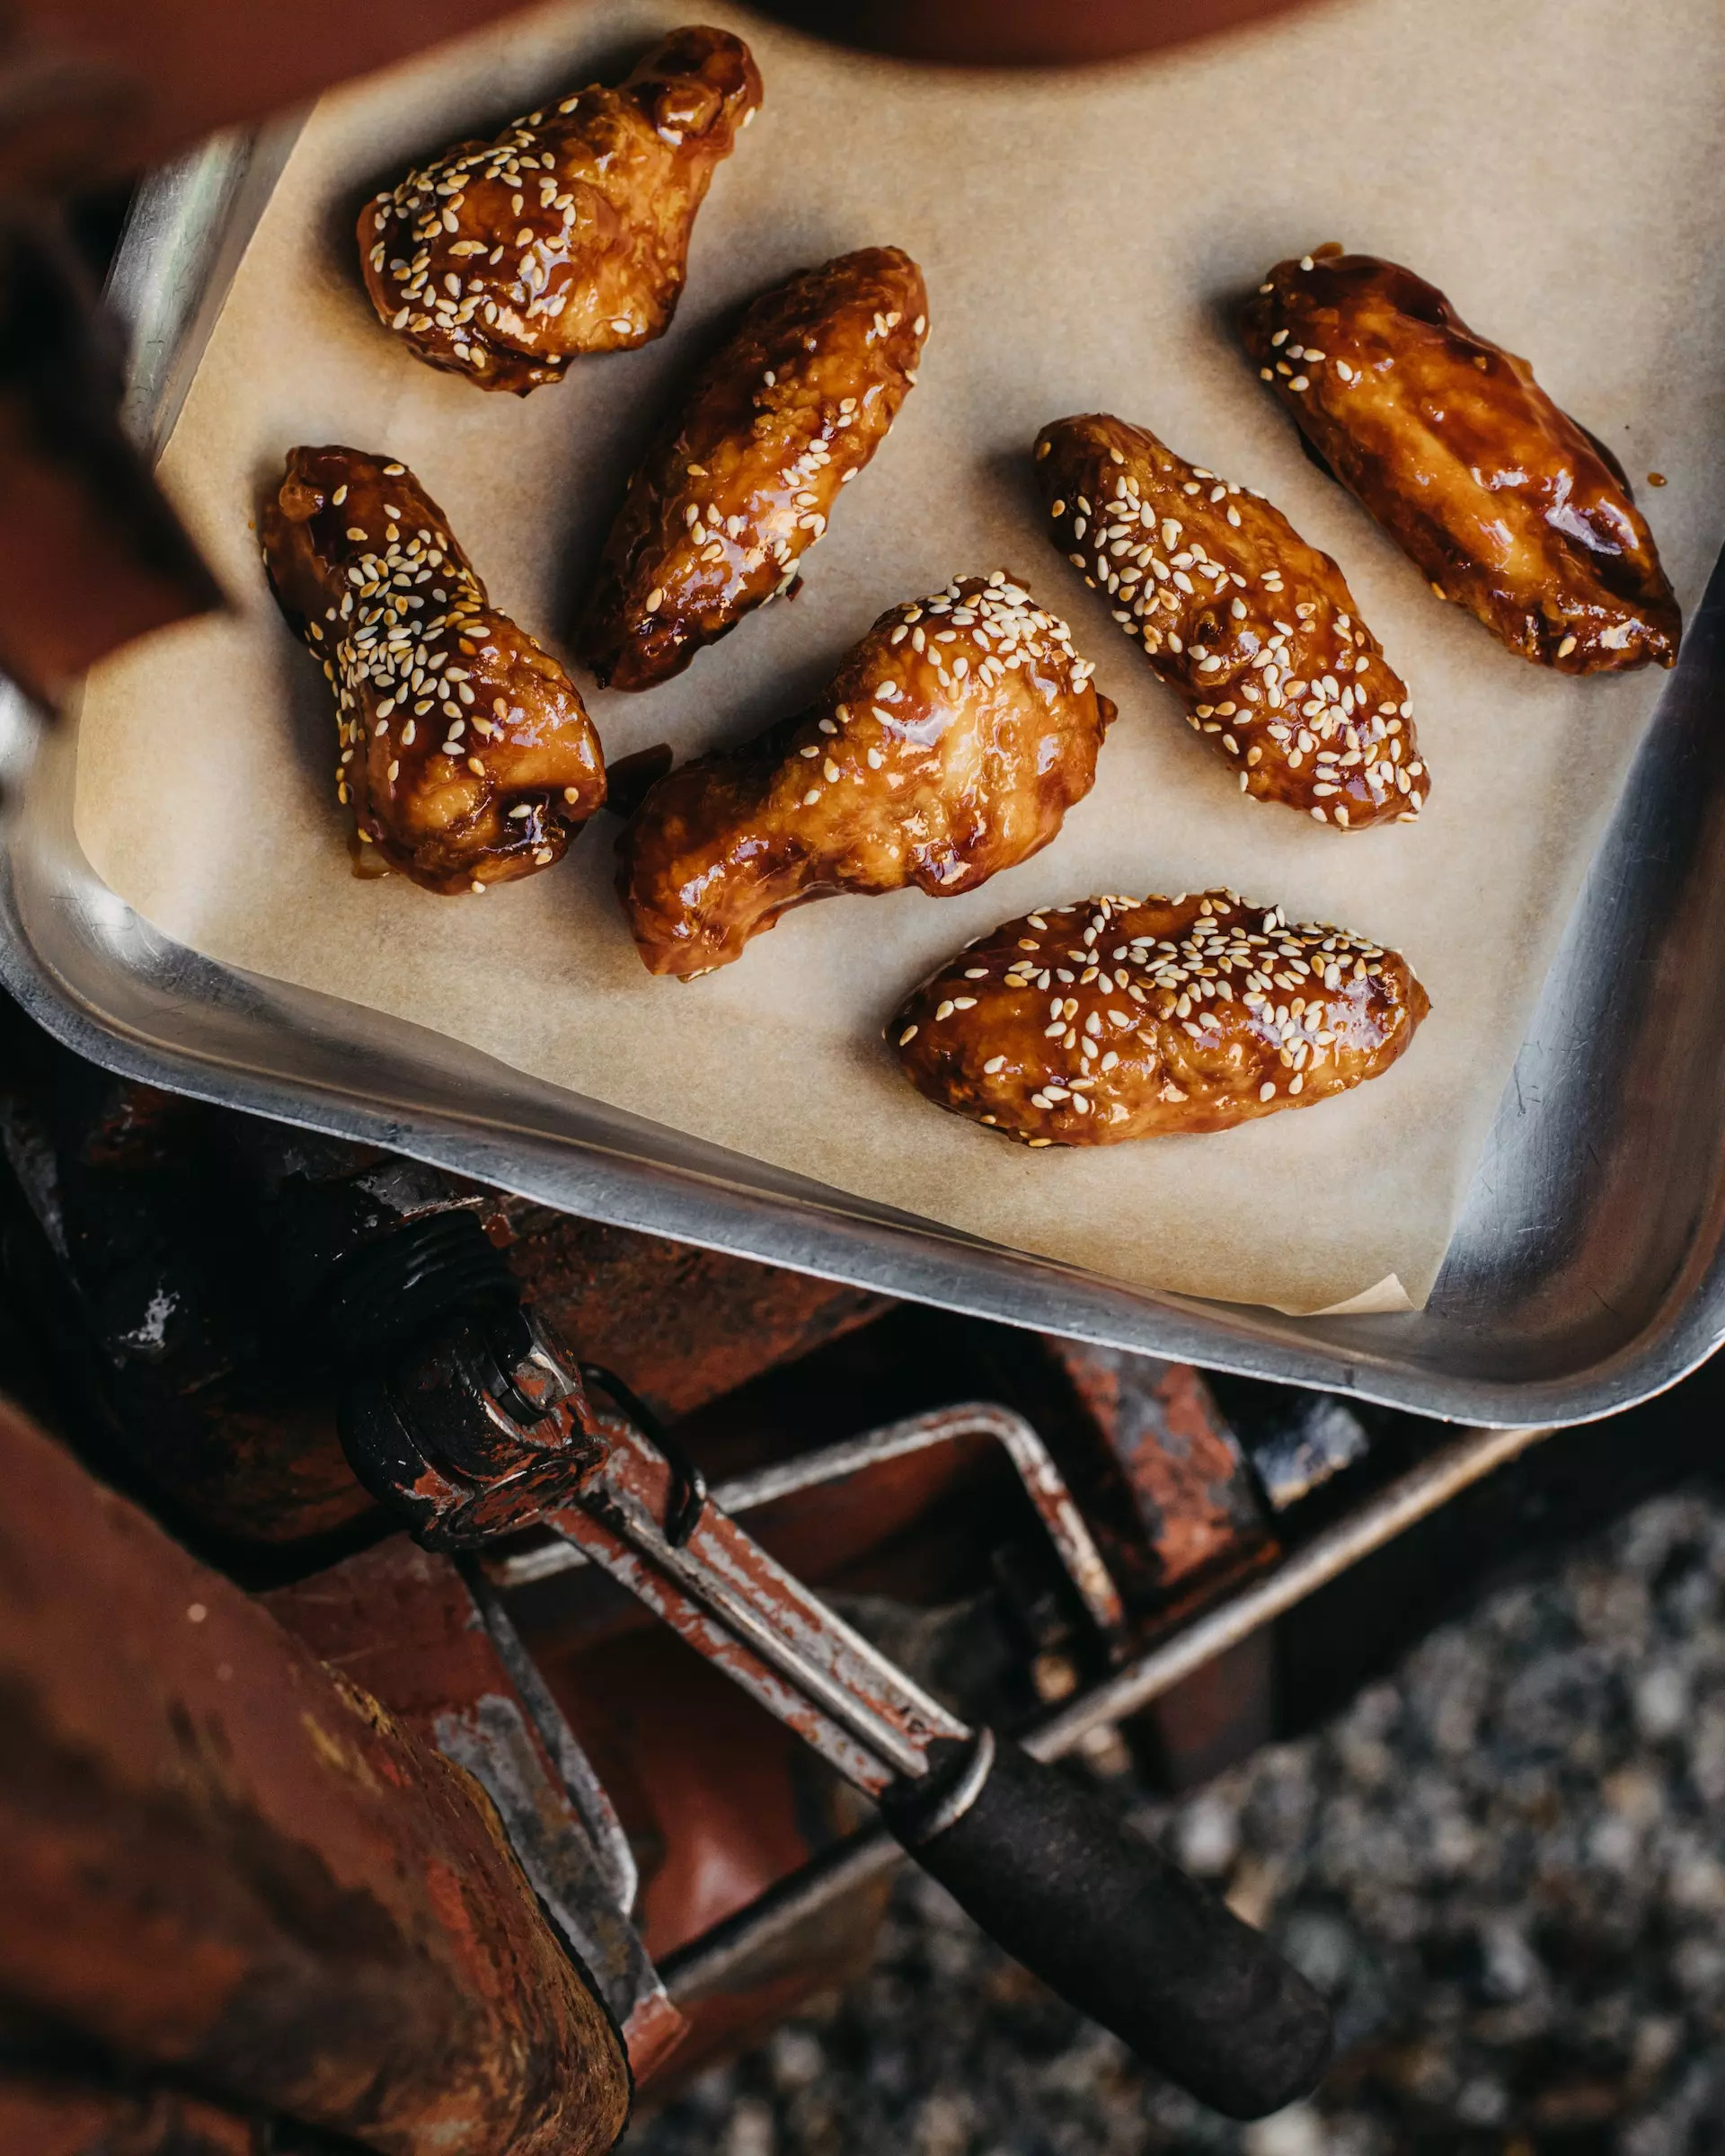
{"points": [[503, 261], [1509, 507], [1256, 631], [1137, 1018], [950, 746], [742, 480], [465, 751]]}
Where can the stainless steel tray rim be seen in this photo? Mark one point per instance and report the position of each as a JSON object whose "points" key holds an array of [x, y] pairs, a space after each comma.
{"points": [[834, 1238]]}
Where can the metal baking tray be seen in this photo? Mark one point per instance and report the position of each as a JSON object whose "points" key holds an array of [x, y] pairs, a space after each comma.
{"points": [[1585, 1274]]}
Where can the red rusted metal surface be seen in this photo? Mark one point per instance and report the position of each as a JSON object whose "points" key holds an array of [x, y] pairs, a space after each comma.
{"points": [[401, 1622], [1189, 1487], [226, 1859], [720, 1801], [680, 1326], [40, 2117]]}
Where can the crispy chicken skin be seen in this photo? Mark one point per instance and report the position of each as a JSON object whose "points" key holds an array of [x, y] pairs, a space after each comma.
{"points": [[464, 749], [503, 261], [950, 746], [1509, 508], [1137, 1018], [742, 480], [1256, 631]]}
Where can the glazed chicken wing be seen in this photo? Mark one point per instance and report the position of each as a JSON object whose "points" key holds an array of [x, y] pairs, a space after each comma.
{"points": [[1510, 509], [464, 749], [1137, 1018], [742, 481], [503, 261], [1256, 631], [950, 745]]}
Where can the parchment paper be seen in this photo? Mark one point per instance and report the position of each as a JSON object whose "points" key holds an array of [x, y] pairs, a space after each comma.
{"points": [[1553, 164]]}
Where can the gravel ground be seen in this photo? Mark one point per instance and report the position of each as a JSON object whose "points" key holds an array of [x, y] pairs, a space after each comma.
{"points": [[1505, 1867]]}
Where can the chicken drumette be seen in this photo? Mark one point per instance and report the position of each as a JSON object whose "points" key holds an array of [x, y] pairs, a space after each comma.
{"points": [[950, 746], [1255, 631], [465, 751], [1135, 1018], [743, 478], [1510, 509], [503, 261]]}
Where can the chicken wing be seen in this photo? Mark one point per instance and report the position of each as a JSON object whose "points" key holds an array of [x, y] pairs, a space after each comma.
{"points": [[1137, 1018], [1510, 509], [464, 751], [1256, 631], [503, 261], [950, 746], [742, 481]]}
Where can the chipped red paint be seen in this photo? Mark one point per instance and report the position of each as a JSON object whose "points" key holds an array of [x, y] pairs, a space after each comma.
{"points": [[43, 2117], [680, 1326], [228, 1861], [401, 1622], [1189, 1483]]}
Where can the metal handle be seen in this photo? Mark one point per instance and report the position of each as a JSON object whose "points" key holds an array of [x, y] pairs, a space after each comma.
{"points": [[481, 1430], [1103, 1918]]}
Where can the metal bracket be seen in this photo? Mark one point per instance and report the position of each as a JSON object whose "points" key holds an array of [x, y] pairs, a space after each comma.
{"points": [[1043, 1483]]}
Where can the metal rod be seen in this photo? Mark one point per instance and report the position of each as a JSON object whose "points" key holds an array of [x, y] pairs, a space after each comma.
{"points": [[612, 1854], [888, 1752], [1030, 1459], [1412, 1498], [705, 1963]]}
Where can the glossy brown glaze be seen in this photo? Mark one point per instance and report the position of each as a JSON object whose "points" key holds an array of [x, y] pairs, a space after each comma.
{"points": [[503, 261], [950, 746], [1255, 631], [464, 749], [1510, 509], [1137, 1018], [741, 482]]}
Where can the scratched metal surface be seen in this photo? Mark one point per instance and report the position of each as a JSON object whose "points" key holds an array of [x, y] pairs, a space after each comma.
{"points": [[1586, 1272]]}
